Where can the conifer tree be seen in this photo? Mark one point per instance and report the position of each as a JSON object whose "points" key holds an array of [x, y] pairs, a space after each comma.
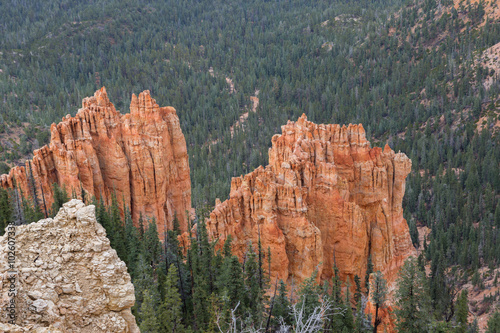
{"points": [[281, 307], [309, 294], [227, 250], [6, 210], [30, 212], [232, 280], [206, 253], [336, 285], [462, 312], [379, 294], [494, 323], [336, 320], [45, 210], [132, 241], [116, 230], [60, 197], [362, 322], [141, 226], [412, 299], [173, 255], [148, 314], [170, 312], [199, 284], [32, 187], [142, 279], [253, 293], [358, 292], [18, 213], [259, 249], [348, 322], [369, 270], [152, 245], [269, 262]]}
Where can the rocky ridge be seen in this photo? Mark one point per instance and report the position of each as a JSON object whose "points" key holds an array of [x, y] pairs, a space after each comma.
{"points": [[141, 157], [326, 196], [69, 278]]}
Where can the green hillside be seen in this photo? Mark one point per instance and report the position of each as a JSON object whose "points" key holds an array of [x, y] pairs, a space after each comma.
{"points": [[417, 74]]}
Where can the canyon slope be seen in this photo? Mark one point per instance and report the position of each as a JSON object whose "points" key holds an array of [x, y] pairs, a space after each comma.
{"points": [[141, 157], [68, 277], [326, 197]]}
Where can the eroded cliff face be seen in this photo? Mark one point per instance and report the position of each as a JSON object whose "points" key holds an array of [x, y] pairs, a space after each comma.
{"points": [[69, 278], [141, 156], [325, 196]]}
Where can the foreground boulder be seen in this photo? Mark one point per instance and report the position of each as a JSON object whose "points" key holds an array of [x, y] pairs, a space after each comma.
{"points": [[141, 157], [68, 277], [326, 197]]}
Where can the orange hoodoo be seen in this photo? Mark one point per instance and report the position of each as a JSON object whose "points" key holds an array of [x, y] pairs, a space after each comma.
{"points": [[141, 156], [324, 194]]}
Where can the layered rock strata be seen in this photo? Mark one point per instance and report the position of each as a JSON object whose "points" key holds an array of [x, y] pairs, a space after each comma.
{"points": [[141, 157], [68, 277], [325, 197]]}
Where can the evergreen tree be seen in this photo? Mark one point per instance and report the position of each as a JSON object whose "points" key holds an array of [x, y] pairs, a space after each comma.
{"points": [[358, 292], [170, 312], [34, 195], [253, 293], [200, 258], [148, 314], [6, 210], [462, 312], [379, 294], [281, 308], [31, 212], [231, 280], [60, 197], [348, 322], [227, 250], [132, 242], [362, 323], [152, 245], [309, 294], [261, 277], [412, 299], [115, 229], [494, 323], [336, 286], [369, 270], [141, 226], [142, 279]]}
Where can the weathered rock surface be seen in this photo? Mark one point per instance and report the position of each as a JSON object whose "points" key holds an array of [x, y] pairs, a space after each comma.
{"points": [[141, 156], [69, 278], [325, 196]]}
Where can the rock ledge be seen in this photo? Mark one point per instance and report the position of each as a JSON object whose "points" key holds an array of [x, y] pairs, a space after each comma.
{"points": [[69, 278]]}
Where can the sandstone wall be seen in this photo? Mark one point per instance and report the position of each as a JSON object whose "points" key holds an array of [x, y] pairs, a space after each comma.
{"points": [[325, 196], [141, 156], [69, 278]]}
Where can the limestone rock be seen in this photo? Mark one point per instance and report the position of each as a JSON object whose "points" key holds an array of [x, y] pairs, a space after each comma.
{"points": [[63, 282], [325, 196], [141, 156]]}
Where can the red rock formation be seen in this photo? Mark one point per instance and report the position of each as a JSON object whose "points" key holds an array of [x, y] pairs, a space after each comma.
{"points": [[140, 156], [325, 196]]}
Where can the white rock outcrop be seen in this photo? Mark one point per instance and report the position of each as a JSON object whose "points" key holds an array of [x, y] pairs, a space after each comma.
{"points": [[68, 277]]}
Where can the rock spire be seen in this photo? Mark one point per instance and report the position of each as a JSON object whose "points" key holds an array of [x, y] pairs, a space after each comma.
{"points": [[325, 197], [141, 157]]}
